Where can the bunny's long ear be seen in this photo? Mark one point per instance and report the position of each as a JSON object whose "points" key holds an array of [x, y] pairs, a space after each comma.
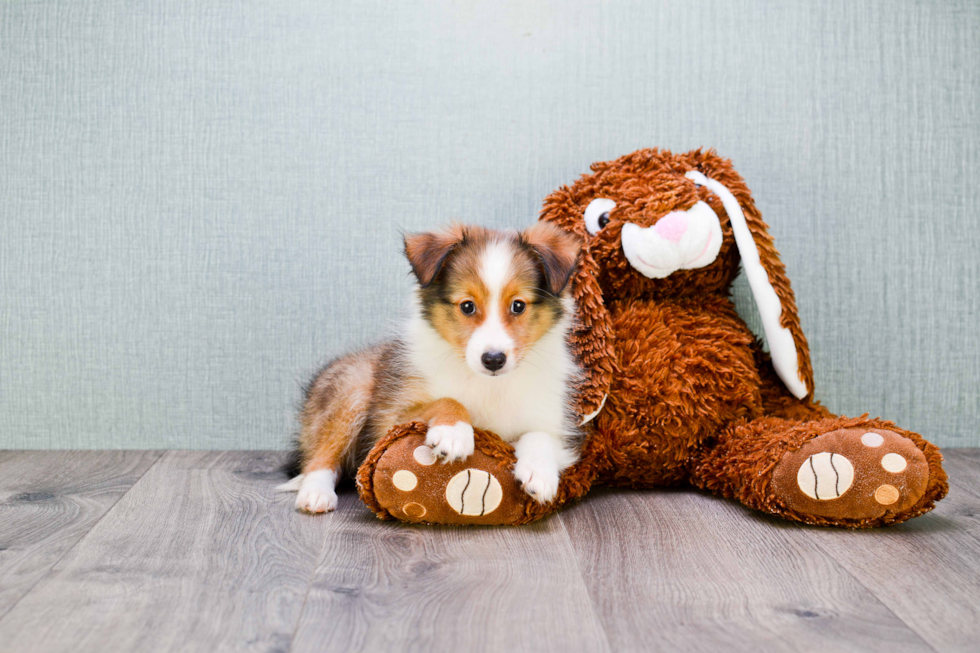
{"points": [[764, 270], [591, 334]]}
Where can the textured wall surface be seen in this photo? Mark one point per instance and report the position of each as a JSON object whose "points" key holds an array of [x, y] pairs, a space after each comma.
{"points": [[201, 201]]}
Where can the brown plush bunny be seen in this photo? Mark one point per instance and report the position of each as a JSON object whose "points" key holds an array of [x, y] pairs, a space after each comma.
{"points": [[677, 389]]}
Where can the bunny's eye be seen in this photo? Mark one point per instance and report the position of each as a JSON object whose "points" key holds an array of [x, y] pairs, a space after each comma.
{"points": [[597, 214]]}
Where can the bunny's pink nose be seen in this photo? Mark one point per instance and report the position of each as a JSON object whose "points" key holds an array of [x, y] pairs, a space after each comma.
{"points": [[672, 226]]}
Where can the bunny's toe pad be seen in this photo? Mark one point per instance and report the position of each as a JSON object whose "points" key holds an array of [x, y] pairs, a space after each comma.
{"points": [[853, 474]]}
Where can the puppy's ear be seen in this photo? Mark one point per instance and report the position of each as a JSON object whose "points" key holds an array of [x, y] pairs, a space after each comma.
{"points": [[557, 251], [427, 252], [763, 267]]}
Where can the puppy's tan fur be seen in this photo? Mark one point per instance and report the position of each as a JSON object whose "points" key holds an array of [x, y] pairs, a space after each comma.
{"points": [[358, 398]]}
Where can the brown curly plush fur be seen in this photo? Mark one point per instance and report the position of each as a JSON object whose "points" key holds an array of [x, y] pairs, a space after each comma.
{"points": [[692, 395], [494, 454], [739, 466]]}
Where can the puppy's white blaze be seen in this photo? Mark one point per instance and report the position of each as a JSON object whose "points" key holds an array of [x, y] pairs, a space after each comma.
{"points": [[495, 271], [495, 267]]}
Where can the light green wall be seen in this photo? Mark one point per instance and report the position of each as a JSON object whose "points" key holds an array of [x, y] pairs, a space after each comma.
{"points": [[201, 201]]}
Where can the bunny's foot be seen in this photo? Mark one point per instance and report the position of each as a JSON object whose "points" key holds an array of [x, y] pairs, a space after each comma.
{"points": [[834, 471], [853, 473], [402, 478]]}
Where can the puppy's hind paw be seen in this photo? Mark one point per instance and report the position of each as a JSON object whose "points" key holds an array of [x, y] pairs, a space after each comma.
{"points": [[539, 481], [451, 443], [317, 494], [315, 501]]}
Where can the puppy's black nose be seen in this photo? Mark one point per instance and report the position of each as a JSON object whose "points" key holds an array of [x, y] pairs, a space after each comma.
{"points": [[494, 360]]}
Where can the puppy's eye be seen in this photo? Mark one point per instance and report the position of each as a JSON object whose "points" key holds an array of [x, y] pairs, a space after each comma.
{"points": [[517, 307], [597, 214], [468, 307]]}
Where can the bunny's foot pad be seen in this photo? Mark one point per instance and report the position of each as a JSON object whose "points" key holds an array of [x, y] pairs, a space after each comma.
{"points": [[402, 479], [854, 474]]}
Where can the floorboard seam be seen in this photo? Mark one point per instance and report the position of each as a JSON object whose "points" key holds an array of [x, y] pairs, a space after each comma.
{"points": [[840, 564], [958, 486], [585, 585], [84, 535], [309, 588], [302, 609], [787, 535], [875, 594], [954, 483]]}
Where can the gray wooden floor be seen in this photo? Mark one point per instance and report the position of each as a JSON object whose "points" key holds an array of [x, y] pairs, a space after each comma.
{"points": [[188, 551]]}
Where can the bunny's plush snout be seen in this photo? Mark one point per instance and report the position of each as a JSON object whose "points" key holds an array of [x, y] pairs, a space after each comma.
{"points": [[680, 240]]}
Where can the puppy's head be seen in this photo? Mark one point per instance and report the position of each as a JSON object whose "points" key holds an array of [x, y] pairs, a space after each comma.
{"points": [[492, 294]]}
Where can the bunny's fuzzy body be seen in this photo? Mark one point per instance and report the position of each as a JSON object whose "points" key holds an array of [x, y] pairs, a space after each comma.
{"points": [[677, 387]]}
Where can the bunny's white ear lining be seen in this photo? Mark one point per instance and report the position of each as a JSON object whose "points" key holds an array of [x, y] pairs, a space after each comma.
{"points": [[782, 347], [591, 416]]}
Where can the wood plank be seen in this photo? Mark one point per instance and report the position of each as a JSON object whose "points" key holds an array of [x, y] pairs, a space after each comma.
{"points": [[963, 467], [679, 570], [927, 570], [383, 586], [49, 500], [200, 555]]}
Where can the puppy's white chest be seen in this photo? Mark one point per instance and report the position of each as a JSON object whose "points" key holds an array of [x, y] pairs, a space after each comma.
{"points": [[531, 397], [510, 407]]}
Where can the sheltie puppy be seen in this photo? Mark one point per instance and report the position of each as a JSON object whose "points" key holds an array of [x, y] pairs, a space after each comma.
{"points": [[485, 345]]}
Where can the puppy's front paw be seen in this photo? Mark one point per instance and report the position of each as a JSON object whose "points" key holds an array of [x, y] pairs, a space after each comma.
{"points": [[317, 494], [538, 477], [451, 443]]}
